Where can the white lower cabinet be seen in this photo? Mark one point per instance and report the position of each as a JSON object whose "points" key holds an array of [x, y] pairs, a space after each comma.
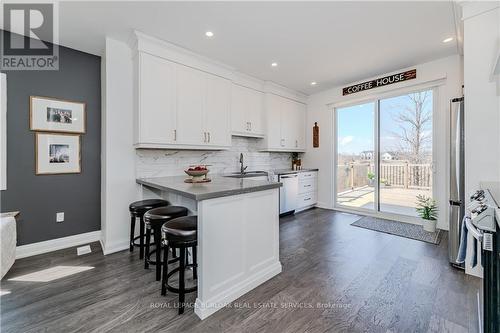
{"points": [[285, 122], [180, 107], [308, 190]]}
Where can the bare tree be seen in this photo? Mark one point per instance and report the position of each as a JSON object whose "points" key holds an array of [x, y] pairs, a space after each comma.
{"points": [[414, 119]]}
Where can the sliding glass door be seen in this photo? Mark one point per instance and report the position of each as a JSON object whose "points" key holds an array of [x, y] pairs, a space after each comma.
{"points": [[356, 156], [384, 153]]}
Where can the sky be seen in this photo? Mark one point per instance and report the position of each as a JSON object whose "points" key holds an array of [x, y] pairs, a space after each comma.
{"points": [[355, 125]]}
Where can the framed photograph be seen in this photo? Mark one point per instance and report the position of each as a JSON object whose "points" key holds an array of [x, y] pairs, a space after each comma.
{"points": [[56, 115], [57, 153]]}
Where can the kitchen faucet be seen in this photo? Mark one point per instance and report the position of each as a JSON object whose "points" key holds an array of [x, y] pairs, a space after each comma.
{"points": [[242, 169]]}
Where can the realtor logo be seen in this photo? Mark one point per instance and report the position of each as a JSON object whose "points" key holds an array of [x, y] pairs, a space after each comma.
{"points": [[29, 37]]}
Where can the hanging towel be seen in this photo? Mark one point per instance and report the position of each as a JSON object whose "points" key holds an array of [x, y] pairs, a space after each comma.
{"points": [[462, 249]]}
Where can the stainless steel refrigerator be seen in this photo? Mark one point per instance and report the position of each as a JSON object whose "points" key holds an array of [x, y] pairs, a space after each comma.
{"points": [[457, 177]]}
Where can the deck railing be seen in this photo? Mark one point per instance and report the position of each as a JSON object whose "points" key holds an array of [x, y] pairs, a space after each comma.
{"points": [[398, 174]]}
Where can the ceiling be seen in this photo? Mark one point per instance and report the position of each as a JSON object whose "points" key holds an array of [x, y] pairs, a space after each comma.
{"points": [[332, 43]]}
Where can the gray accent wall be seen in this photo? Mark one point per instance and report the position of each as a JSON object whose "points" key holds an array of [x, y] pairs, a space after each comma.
{"points": [[39, 198]]}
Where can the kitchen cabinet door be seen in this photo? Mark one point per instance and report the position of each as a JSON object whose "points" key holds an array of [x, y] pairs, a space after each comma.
{"points": [[239, 124], [247, 107], [300, 110], [191, 91], [254, 111], [290, 124], [217, 107], [156, 119], [273, 111]]}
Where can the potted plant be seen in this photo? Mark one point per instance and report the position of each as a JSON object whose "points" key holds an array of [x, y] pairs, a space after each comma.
{"points": [[371, 178], [427, 209]]}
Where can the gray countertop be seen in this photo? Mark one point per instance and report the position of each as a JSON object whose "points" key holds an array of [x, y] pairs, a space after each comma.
{"points": [[286, 171], [218, 187]]}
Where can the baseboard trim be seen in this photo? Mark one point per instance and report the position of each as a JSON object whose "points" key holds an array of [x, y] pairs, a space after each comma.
{"points": [[203, 309], [323, 205], [114, 247], [34, 249]]}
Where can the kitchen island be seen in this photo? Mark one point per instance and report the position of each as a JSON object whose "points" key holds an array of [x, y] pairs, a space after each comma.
{"points": [[238, 233]]}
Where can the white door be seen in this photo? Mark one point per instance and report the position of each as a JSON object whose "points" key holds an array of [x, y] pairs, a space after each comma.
{"points": [[218, 103], [157, 102], [190, 102]]}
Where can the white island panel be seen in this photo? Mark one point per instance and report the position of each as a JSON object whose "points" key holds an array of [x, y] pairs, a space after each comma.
{"points": [[238, 241]]}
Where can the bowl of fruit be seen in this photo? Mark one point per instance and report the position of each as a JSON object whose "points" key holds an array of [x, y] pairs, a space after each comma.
{"points": [[198, 173]]}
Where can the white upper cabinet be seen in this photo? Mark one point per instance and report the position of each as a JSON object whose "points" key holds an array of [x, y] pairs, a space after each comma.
{"points": [[190, 104], [180, 107], [285, 124], [247, 107], [183, 101], [217, 111], [156, 102]]}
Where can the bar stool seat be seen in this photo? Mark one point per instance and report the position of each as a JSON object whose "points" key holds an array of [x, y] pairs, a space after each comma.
{"points": [[142, 206], [137, 210], [183, 227], [180, 233], [154, 220]]}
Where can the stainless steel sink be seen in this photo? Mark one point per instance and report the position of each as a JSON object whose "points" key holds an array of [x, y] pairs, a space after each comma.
{"points": [[247, 174]]}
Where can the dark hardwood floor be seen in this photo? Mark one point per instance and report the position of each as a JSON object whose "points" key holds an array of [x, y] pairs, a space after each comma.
{"points": [[336, 278]]}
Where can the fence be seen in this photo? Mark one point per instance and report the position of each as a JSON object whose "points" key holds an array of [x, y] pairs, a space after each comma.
{"points": [[402, 174]]}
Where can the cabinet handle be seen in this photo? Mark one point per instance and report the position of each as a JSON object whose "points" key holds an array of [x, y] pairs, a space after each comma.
{"points": [[282, 142], [175, 135], [208, 136], [307, 185], [250, 126], [204, 136], [296, 143], [307, 199]]}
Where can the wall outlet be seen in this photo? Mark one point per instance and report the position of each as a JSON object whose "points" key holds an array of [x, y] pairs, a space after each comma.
{"points": [[60, 217]]}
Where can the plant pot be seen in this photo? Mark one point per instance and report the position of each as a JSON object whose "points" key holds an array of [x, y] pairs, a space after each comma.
{"points": [[429, 225]]}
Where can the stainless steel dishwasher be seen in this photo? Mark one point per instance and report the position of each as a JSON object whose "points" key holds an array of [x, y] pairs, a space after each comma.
{"points": [[288, 192]]}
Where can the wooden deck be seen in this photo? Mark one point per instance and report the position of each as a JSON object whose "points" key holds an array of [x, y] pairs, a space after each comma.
{"points": [[392, 199]]}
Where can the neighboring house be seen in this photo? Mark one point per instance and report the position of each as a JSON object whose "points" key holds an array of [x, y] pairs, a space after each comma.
{"points": [[367, 155], [387, 157]]}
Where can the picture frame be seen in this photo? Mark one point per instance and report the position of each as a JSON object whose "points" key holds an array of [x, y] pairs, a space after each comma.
{"points": [[57, 115], [57, 153]]}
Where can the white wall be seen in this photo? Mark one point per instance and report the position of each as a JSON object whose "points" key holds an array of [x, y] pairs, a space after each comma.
{"points": [[482, 116], [118, 187], [447, 71]]}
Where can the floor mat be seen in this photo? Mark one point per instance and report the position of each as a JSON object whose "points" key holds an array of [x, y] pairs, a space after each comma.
{"points": [[402, 229]]}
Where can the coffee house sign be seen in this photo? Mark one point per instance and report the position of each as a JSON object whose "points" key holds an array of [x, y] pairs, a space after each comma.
{"points": [[383, 81]]}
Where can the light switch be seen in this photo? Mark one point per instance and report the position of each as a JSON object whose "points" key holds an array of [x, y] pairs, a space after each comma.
{"points": [[60, 217]]}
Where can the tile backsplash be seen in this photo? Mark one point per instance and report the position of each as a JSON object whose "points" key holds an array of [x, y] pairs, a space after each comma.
{"points": [[159, 163]]}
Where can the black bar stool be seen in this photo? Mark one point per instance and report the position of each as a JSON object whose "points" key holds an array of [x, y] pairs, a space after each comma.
{"points": [[137, 210], [180, 233], [153, 220]]}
